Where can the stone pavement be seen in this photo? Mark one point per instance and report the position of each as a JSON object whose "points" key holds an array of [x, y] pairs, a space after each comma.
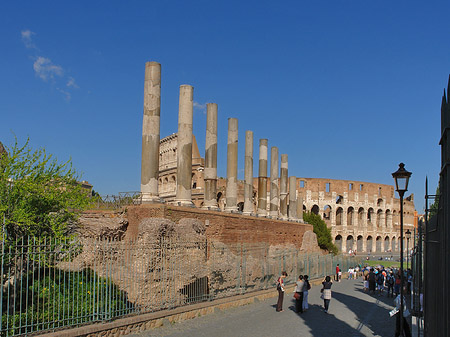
{"points": [[352, 313]]}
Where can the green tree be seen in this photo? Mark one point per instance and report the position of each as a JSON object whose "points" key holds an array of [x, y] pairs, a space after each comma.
{"points": [[434, 207], [38, 196], [322, 231]]}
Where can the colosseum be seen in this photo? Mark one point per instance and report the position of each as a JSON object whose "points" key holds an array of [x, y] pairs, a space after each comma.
{"points": [[362, 216]]}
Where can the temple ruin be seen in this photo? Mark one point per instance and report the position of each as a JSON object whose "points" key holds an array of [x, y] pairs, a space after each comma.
{"points": [[363, 216]]}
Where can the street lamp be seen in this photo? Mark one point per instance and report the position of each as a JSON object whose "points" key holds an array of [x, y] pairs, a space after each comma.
{"points": [[408, 236], [401, 177]]}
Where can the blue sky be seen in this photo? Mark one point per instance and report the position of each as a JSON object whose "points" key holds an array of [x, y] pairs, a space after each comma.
{"points": [[348, 89]]}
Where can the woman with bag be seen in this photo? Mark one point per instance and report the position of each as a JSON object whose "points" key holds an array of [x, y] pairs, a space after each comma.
{"points": [[280, 288], [298, 295], [326, 292], [306, 287]]}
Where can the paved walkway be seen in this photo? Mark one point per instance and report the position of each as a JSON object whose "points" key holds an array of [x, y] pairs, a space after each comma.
{"points": [[352, 313]]}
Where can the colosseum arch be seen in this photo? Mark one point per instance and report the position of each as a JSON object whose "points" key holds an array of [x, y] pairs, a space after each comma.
{"points": [[327, 212], [380, 202], [338, 242], [349, 243], [339, 199], [370, 216], [315, 209], [350, 215], [387, 218], [369, 244], [359, 243], [394, 244], [361, 216], [379, 218], [394, 217], [339, 216], [386, 244], [378, 244]]}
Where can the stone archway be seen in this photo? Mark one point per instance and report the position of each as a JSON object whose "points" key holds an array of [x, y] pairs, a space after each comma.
{"points": [[361, 217], [378, 244], [379, 218], [349, 243], [339, 216], [359, 243], [338, 242], [350, 215], [315, 210], [386, 244], [394, 244], [369, 244]]}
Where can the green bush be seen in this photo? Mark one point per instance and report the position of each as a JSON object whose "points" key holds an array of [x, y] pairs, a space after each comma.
{"points": [[51, 298], [322, 231]]}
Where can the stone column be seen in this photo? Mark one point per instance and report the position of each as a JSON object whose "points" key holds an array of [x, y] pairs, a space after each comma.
{"points": [[232, 159], [293, 198], [184, 146], [248, 183], [150, 133], [300, 208], [262, 178], [284, 186], [210, 174], [274, 182]]}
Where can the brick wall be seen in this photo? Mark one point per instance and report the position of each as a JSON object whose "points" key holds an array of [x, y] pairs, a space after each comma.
{"points": [[225, 227]]}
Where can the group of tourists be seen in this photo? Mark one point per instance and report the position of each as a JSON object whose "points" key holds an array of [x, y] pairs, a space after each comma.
{"points": [[377, 280], [302, 287]]}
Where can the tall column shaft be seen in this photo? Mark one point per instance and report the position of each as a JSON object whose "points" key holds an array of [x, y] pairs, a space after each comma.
{"points": [[284, 186], [274, 198], [151, 133], [232, 159], [184, 147], [300, 208], [262, 178], [248, 183], [292, 198], [210, 174]]}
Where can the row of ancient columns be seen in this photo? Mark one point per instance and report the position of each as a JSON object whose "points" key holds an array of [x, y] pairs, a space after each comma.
{"points": [[279, 195]]}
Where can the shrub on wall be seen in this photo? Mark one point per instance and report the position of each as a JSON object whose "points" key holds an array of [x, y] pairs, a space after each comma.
{"points": [[322, 231]]}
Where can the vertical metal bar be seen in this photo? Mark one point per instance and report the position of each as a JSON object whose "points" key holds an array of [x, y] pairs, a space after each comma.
{"points": [[27, 273]]}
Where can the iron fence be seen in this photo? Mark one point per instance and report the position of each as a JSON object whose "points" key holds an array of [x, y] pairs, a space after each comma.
{"points": [[48, 284], [114, 202]]}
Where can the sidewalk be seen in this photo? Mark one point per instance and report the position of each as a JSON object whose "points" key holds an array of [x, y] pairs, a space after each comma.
{"points": [[352, 313]]}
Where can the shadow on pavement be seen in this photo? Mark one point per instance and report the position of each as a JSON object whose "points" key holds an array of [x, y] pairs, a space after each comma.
{"points": [[320, 322], [369, 314]]}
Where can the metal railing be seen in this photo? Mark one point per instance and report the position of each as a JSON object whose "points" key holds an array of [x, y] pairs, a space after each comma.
{"points": [[48, 284], [114, 202]]}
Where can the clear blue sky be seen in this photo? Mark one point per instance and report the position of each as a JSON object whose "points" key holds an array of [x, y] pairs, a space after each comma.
{"points": [[348, 89]]}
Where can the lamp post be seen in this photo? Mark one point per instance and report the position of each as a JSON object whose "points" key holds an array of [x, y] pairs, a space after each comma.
{"points": [[408, 236], [401, 177]]}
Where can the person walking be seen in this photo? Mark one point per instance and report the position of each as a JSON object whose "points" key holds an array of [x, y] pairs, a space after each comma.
{"points": [[280, 288], [306, 287], [338, 272], [326, 293], [372, 281], [390, 280], [299, 295]]}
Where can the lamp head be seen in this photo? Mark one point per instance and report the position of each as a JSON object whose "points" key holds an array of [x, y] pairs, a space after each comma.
{"points": [[401, 177]]}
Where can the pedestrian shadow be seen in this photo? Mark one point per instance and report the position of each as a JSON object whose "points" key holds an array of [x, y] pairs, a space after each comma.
{"points": [[368, 314], [326, 324], [383, 298]]}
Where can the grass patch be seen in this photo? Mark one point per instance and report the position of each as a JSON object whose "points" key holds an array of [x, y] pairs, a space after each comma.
{"points": [[388, 264]]}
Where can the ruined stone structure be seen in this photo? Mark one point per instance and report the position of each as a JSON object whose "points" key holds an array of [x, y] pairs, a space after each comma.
{"points": [[362, 216]]}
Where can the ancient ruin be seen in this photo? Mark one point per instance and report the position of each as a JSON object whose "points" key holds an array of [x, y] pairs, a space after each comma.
{"points": [[363, 217]]}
